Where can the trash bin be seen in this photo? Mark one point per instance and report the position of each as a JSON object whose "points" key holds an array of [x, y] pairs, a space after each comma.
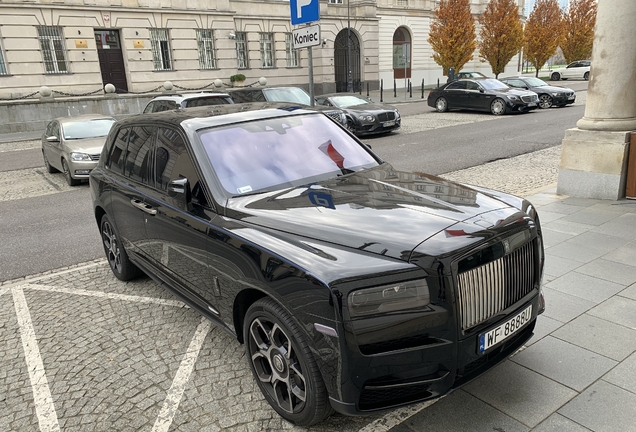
{"points": [[630, 187]]}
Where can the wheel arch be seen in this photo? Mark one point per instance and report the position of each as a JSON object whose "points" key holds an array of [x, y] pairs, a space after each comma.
{"points": [[242, 303], [99, 213]]}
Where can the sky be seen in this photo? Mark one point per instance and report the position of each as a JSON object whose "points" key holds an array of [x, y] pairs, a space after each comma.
{"points": [[530, 5]]}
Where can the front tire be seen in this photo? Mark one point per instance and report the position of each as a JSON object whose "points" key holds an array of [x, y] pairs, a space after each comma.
{"points": [[283, 365], [441, 104], [498, 107], [555, 76], [67, 173], [586, 76], [116, 255], [350, 126], [545, 101]]}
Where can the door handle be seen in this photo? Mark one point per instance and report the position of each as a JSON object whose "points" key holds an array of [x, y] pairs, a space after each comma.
{"points": [[143, 207]]}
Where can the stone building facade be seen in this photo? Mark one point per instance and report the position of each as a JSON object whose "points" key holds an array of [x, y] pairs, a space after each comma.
{"points": [[77, 46]]}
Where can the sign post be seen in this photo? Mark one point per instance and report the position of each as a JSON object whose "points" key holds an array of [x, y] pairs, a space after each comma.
{"points": [[305, 12]]}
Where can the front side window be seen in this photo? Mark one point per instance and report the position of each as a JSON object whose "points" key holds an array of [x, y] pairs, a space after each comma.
{"points": [[117, 155], [169, 145], [271, 154], [291, 54], [205, 43], [139, 155], [161, 57], [241, 50], [267, 50], [53, 52]]}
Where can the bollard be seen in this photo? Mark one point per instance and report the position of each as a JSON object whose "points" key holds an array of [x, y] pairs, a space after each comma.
{"points": [[437, 82], [422, 88], [394, 89], [410, 89], [367, 89], [381, 88]]}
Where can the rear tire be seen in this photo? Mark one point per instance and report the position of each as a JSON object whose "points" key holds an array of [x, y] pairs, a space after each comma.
{"points": [[555, 76], [116, 255], [283, 365], [498, 107], [441, 104]]}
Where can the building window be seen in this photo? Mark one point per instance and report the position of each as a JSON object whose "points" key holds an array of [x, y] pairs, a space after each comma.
{"points": [[241, 50], [161, 57], [335, 1], [267, 50], [402, 2], [3, 65], [205, 42], [292, 55], [52, 45]]}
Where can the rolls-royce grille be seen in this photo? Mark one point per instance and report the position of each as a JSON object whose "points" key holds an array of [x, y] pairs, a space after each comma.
{"points": [[386, 116], [486, 290], [528, 99]]}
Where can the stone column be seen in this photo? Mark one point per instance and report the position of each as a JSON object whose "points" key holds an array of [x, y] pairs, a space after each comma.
{"points": [[594, 155]]}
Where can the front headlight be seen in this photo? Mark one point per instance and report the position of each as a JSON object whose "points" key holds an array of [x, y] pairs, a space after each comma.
{"points": [[388, 298], [555, 94], [368, 118], [343, 118], [80, 157], [513, 98]]}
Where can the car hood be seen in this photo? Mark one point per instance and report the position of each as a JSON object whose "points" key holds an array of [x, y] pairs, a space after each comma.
{"points": [[377, 210], [517, 92], [363, 108], [86, 145]]}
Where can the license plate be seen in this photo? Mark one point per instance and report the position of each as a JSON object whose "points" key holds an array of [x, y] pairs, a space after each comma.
{"points": [[389, 123], [532, 104], [499, 334]]}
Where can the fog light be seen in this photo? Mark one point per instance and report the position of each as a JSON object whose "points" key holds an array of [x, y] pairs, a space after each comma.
{"points": [[84, 171]]}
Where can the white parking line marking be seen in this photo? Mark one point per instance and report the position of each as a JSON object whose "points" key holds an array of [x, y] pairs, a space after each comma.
{"points": [[102, 294], [44, 408], [173, 398]]}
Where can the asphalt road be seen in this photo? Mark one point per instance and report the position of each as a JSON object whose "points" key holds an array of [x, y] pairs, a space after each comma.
{"points": [[57, 230]]}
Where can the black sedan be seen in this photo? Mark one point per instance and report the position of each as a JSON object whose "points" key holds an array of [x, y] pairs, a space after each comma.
{"points": [[548, 95], [482, 95], [354, 287], [364, 117]]}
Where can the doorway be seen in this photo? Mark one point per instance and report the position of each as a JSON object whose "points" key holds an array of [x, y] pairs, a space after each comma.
{"points": [[401, 53], [341, 51], [111, 59]]}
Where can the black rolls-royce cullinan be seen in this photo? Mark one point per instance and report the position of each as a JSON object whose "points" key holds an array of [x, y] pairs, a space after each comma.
{"points": [[355, 287]]}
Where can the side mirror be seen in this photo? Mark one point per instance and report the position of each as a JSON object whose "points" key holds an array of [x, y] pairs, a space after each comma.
{"points": [[481, 90], [52, 139]]}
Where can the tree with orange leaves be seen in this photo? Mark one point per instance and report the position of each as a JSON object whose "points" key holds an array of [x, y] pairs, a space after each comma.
{"points": [[501, 34], [543, 33], [452, 34], [579, 30]]}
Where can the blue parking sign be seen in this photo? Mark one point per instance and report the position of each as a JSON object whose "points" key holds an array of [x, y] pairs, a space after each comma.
{"points": [[304, 11]]}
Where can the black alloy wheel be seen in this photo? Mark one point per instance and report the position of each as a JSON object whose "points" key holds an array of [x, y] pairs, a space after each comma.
{"points": [[47, 165], [586, 76], [283, 365], [350, 126], [441, 104], [498, 107], [555, 77], [116, 255], [69, 178], [545, 101]]}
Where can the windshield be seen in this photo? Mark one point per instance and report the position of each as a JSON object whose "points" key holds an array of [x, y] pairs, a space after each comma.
{"points": [[287, 94], [535, 82], [87, 129], [282, 152], [347, 101], [493, 84]]}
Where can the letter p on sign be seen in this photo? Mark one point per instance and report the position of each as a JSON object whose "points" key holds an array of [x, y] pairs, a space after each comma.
{"points": [[299, 5]]}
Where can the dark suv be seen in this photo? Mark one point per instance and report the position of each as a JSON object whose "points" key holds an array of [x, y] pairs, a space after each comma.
{"points": [[294, 95], [171, 102], [354, 286]]}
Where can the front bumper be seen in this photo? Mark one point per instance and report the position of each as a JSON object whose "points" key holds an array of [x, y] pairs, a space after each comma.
{"points": [[378, 127], [392, 379], [81, 169], [521, 106]]}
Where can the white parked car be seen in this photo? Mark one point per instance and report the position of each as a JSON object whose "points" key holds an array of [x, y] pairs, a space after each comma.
{"points": [[576, 70]]}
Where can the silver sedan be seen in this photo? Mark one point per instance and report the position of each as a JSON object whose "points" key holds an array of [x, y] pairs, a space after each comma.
{"points": [[72, 145]]}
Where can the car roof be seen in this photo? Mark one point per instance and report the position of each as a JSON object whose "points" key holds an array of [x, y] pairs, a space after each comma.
{"points": [[341, 94], [84, 117], [218, 115], [189, 96]]}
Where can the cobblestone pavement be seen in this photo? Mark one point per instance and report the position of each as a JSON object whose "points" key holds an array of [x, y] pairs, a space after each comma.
{"points": [[83, 351]]}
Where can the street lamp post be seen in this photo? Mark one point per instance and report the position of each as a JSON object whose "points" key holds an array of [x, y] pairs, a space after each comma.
{"points": [[349, 75]]}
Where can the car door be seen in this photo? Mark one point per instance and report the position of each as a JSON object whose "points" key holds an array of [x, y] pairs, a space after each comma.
{"points": [[475, 97], [572, 70], [126, 198], [177, 225], [455, 94], [51, 149]]}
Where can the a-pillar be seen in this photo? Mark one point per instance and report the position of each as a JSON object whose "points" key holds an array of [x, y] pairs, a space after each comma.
{"points": [[594, 154]]}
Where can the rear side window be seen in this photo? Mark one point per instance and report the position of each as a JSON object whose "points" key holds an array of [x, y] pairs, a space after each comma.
{"points": [[457, 85], [117, 155], [139, 155], [207, 101]]}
